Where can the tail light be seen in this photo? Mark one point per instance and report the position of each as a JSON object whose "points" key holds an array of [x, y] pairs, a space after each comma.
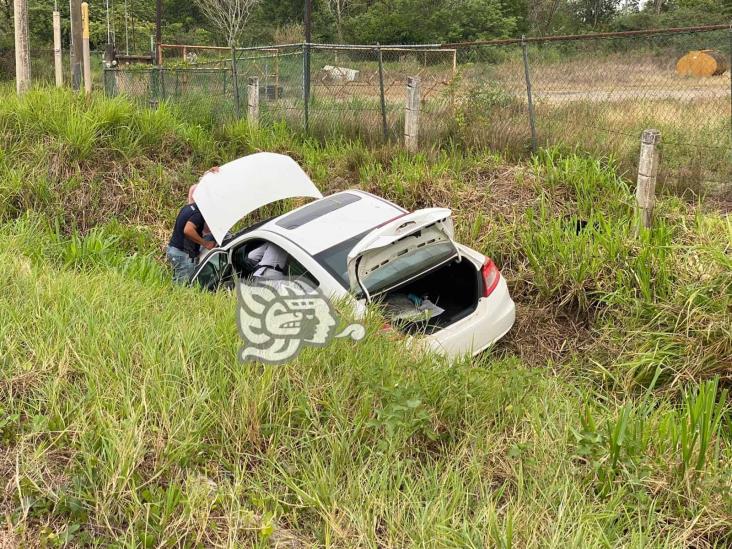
{"points": [[491, 276]]}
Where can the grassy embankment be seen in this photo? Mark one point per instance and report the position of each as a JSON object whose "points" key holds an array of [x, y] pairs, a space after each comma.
{"points": [[601, 420]]}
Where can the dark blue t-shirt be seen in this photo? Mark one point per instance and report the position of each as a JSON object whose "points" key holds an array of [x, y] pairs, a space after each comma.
{"points": [[178, 240]]}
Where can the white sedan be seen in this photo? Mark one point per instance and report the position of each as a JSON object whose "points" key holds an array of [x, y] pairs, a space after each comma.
{"points": [[356, 246]]}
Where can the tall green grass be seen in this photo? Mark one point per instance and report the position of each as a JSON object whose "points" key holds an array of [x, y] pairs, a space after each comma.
{"points": [[125, 417]]}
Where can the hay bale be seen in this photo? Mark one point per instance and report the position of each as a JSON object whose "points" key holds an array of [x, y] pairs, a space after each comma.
{"points": [[702, 63]]}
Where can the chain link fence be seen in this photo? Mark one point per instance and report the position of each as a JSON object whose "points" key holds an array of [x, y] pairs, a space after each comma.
{"points": [[42, 66], [593, 93], [598, 94]]}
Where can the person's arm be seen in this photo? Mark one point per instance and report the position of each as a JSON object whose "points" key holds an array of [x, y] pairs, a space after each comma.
{"points": [[257, 254], [191, 233]]}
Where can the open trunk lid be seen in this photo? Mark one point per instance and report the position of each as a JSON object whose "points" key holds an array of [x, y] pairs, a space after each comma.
{"points": [[401, 250], [244, 185]]}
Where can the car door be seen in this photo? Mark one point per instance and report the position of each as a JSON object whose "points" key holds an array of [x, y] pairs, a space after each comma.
{"points": [[214, 271]]}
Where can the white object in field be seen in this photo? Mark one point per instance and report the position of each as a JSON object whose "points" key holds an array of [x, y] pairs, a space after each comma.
{"points": [[340, 74], [246, 184]]}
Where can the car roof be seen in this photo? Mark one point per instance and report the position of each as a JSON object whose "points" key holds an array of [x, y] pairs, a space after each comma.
{"points": [[328, 221]]}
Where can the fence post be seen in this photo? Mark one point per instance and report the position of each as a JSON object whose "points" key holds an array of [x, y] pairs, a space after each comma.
{"points": [[253, 102], [277, 74], [77, 53], [57, 54], [527, 74], [411, 118], [384, 125], [85, 51], [154, 88], [22, 47], [306, 84], [161, 83], [645, 194], [235, 82]]}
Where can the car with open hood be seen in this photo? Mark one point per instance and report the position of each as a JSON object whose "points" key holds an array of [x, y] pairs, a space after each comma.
{"points": [[356, 246]]}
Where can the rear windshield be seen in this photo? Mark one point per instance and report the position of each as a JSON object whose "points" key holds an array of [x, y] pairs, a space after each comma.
{"points": [[408, 266], [316, 209], [335, 259]]}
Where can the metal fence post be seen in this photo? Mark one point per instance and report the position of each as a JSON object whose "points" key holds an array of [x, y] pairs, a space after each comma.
{"points": [[154, 87], [277, 74], [384, 124], [235, 77], [161, 83], [411, 118], [253, 102], [645, 194], [527, 74], [306, 84], [110, 82]]}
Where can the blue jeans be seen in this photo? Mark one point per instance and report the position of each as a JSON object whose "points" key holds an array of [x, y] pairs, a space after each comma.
{"points": [[183, 265]]}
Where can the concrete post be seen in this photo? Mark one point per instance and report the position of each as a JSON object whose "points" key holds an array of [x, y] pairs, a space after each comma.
{"points": [[645, 194], [77, 47], [22, 47], [411, 118], [57, 54], [253, 102], [86, 53]]}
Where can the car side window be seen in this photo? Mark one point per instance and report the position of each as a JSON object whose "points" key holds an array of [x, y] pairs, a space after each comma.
{"points": [[297, 271], [212, 272], [244, 267]]}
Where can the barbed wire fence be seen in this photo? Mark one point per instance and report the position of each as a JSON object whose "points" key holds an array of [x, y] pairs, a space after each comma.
{"points": [[591, 93]]}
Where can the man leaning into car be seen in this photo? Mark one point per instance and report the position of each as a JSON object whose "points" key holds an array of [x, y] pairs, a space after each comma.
{"points": [[185, 243]]}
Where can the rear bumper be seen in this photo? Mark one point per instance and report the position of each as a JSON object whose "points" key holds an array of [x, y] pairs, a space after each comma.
{"points": [[492, 319]]}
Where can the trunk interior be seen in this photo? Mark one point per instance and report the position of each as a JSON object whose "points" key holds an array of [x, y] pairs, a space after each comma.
{"points": [[454, 287]]}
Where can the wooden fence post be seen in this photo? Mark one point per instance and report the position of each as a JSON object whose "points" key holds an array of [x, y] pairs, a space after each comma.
{"points": [[645, 194], [253, 102], [411, 118]]}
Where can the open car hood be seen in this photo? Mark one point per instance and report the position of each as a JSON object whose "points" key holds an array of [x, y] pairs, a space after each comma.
{"points": [[386, 247], [246, 184]]}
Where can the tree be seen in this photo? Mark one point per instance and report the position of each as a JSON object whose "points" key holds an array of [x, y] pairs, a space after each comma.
{"points": [[229, 16], [541, 15], [595, 12], [420, 22], [338, 8], [6, 18]]}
